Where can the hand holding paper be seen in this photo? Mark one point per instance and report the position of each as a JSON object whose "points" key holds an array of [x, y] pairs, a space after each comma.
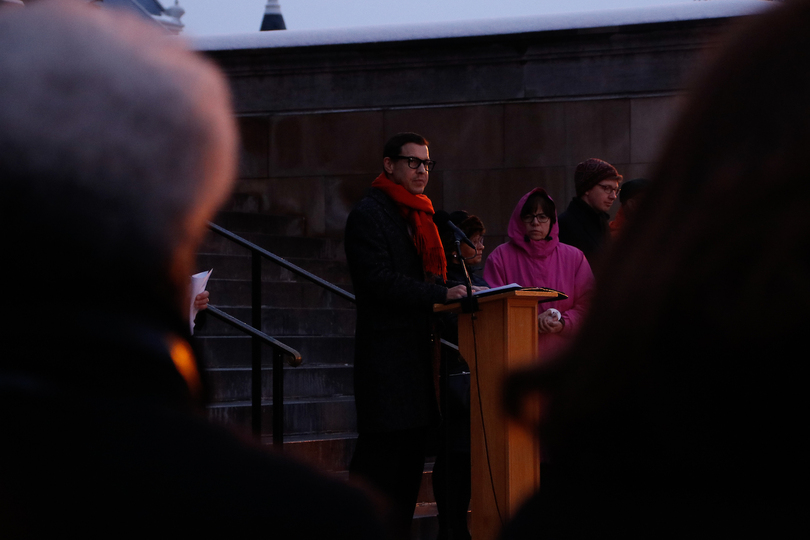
{"points": [[199, 296]]}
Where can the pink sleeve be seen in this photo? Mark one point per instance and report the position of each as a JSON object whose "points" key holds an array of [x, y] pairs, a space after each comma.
{"points": [[583, 287], [493, 270]]}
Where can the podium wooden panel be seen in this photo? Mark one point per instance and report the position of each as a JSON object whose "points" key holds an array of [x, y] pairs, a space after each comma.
{"points": [[505, 457]]}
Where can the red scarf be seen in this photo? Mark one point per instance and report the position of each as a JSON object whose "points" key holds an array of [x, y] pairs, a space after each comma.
{"points": [[418, 212]]}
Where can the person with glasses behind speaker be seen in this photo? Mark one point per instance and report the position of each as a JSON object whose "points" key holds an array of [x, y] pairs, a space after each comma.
{"points": [[534, 256], [584, 224]]}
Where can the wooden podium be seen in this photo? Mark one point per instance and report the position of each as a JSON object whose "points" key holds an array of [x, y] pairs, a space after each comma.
{"points": [[497, 339]]}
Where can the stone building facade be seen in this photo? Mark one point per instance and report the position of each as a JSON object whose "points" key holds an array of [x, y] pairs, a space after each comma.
{"points": [[506, 106]]}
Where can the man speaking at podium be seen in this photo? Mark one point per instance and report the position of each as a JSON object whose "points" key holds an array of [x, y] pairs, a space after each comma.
{"points": [[398, 268]]}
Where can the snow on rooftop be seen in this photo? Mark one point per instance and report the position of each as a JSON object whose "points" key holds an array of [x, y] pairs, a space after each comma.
{"points": [[485, 27]]}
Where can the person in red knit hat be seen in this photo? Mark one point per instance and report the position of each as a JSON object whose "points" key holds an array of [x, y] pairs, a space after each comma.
{"points": [[584, 224]]}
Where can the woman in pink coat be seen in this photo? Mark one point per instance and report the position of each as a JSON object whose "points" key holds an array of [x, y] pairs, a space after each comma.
{"points": [[534, 257]]}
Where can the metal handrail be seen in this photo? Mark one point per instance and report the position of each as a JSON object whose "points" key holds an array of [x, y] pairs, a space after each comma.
{"points": [[281, 262], [294, 357], [449, 345], [279, 351], [296, 270], [258, 337]]}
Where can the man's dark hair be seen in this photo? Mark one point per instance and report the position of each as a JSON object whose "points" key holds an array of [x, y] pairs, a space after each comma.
{"points": [[468, 223], [631, 188], [393, 147], [540, 200]]}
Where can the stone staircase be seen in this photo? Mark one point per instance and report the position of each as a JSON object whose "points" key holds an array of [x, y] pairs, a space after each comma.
{"points": [[319, 402], [319, 416]]}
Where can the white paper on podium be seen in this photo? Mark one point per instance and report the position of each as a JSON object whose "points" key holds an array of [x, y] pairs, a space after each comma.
{"points": [[198, 284]]}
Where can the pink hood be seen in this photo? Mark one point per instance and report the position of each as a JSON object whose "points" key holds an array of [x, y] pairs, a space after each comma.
{"points": [[517, 231], [544, 263]]}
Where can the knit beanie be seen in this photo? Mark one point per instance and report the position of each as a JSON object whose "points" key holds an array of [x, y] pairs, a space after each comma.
{"points": [[592, 171]]}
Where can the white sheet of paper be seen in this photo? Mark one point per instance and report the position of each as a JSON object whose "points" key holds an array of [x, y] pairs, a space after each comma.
{"points": [[198, 284]]}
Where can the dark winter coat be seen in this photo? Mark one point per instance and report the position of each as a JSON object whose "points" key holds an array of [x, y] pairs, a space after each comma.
{"points": [[584, 228], [393, 374], [101, 435], [449, 319]]}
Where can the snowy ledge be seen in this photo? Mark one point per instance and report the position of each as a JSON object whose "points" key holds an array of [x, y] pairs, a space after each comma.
{"points": [[713, 9]]}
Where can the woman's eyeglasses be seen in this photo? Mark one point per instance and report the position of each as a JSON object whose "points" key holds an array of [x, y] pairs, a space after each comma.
{"points": [[529, 218]]}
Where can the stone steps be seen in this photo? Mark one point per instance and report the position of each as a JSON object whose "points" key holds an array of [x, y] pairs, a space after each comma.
{"points": [[283, 246], [279, 294], [319, 404], [425, 521], [329, 452], [286, 322], [337, 449], [302, 416], [305, 381], [235, 351], [241, 222], [238, 266]]}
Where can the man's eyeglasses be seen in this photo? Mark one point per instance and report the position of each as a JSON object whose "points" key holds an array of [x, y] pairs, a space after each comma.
{"points": [[610, 189], [529, 218], [414, 163]]}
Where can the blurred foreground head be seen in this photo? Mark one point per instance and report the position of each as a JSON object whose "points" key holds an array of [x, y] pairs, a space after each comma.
{"points": [[116, 146], [681, 396]]}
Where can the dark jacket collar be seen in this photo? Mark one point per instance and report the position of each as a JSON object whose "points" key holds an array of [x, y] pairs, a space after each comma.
{"points": [[581, 208], [104, 352]]}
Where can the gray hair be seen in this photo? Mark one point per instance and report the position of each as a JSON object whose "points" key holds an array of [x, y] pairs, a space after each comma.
{"points": [[114, 139]]}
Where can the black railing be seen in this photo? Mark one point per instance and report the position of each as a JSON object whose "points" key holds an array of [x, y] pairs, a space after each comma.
{"points": [[451, 346], [261, 252], [279, 351], [258, 337]]}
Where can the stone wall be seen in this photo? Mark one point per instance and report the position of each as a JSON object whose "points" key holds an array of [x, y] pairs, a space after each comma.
{"points": [[503, 113]]}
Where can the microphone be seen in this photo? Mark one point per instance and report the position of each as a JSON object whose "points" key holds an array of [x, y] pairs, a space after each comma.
{"points": [[470, 303], [443, 218]]}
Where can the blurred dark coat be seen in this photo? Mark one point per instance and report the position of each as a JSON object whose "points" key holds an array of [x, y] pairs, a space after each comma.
{"points": [[102, 435]]}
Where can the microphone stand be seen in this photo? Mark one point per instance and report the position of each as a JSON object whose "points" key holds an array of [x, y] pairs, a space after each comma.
{"points": [[470, 303]]}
